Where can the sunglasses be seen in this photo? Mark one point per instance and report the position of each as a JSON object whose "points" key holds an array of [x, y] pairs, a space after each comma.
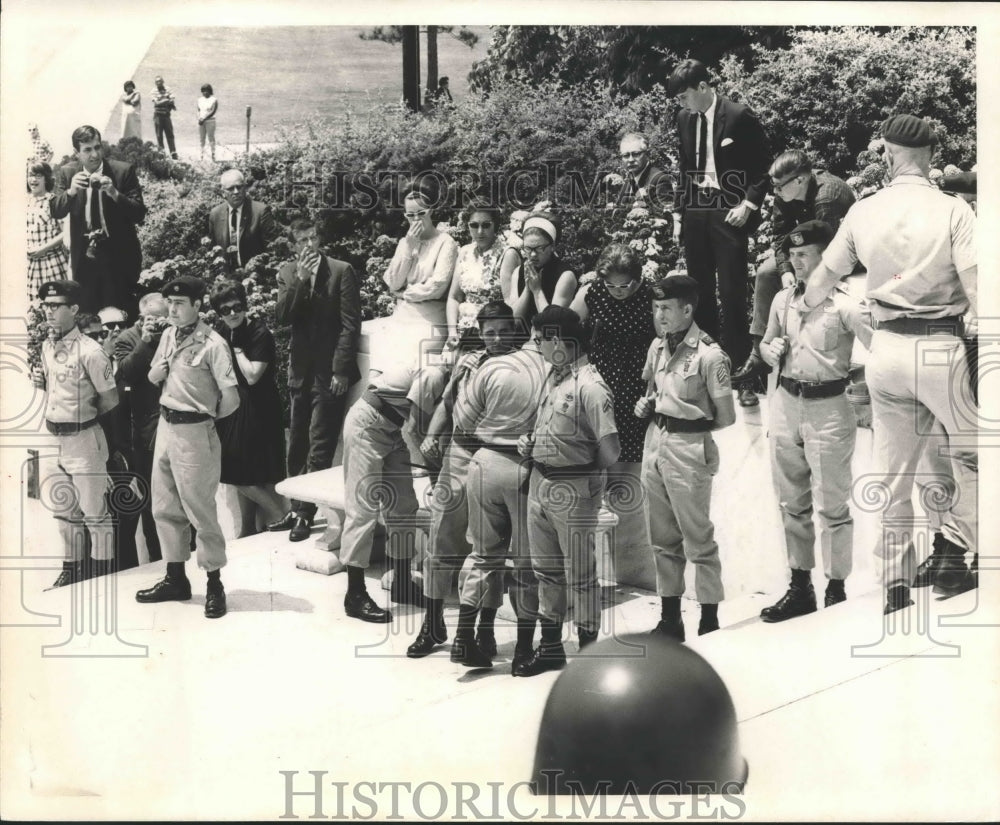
{"points": [[419, 214], [97, 335], [53, 305], [113, 326], [483, 225], [230, 309], [778, 186], [620, 287]]}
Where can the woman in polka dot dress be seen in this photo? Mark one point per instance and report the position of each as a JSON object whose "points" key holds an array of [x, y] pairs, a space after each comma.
{"points": [[618, 306]]}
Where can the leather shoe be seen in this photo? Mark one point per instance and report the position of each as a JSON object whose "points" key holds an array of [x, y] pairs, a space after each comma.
{"points": [[215, 602], [166, 590], [487, 642], [71, 573], [521, 655], [707, 626], [754, 367], [797, 601], [951, 576], [286, 522], [747, 397], [673, 629], [834, 593], [896, 598], [585, 637], [467, 652], [361, 606], [546, 657], [300, 529], [427, 639]]}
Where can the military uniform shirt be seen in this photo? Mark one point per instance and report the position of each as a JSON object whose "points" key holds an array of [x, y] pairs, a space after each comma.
{"points": [[200, 368], [77, 370], [821, 340], [575, 414], [499, 402], [686, 381], [913, 240]]}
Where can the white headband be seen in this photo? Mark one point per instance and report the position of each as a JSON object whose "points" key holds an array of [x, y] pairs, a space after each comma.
{"points": [[544, 224]]}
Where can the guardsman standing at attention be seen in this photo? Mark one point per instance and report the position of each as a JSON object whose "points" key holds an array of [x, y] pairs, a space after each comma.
{"points": [[574, 439], [812, 427], [918, 245], [193, 363], [80, 388], [689, 396]]}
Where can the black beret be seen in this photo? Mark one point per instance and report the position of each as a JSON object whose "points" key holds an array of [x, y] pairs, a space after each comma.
{"points": [[70, 290], [185, 286], [674, 286], [810, 232], [908, 130]]}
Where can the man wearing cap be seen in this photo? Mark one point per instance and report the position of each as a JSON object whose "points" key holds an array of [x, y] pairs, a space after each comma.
{"points": [[80, 388], [723, 161], [193, 364], [689, 396], [103, 199], [812, 428], [917, 244], [800, 194], [575, 438], [242, 226], [163, 105]]}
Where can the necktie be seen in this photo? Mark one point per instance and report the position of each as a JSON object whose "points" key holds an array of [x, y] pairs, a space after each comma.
{"points": [[234, 229], [702, 141]]}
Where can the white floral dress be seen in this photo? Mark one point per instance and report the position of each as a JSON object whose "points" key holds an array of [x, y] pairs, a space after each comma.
{"points": [[478, 275]]}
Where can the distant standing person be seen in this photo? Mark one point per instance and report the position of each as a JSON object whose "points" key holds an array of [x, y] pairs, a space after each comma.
{"points": [[207, 106], [163, 105], [131, 112]]}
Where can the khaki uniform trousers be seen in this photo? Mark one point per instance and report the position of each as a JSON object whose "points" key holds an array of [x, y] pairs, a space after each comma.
{"points": [[562, 522], [187, 463], [449, 545], [812, 441], [677, 470], [377, 475], [82, 465], [498, 527], [914, 380]]}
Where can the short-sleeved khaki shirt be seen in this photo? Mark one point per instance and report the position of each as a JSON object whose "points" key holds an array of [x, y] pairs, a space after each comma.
{"points": [[199, 369], [77, 370], [686, 381]]}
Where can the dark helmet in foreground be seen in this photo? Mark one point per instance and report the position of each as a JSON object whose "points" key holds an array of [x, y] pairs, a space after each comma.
{"points": [[641, 715]]}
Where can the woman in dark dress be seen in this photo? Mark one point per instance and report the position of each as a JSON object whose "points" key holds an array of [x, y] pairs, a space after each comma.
{"points": [[619, 307], [543, 279], [253, 438]]}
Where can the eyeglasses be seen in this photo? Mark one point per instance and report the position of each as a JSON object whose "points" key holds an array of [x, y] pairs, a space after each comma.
{"points": [[97, 334], [413, 215], [53, 305], [230, 309], [778, 186], [536, 250], [234, 189], [626, 155], [483, 225], [113, 326]]}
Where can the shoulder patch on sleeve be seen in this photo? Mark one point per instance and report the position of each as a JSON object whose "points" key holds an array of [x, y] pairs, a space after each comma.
{"points": [[722, 374]]}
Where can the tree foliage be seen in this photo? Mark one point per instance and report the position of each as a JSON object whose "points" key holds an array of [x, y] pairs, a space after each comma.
{"points": [[830, 90]]}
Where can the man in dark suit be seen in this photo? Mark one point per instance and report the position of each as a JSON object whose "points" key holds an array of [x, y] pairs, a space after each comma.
{"points": [[241, 226], [104, 202], [134, 350], [645, 184], [723, 179], [320, 298]]}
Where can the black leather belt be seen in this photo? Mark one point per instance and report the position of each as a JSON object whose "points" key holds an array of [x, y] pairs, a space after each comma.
{"points": [[682, 425], [383, 408], [505, 449], [813, 389], [182, 416], [571, 471], [68, 427], [953, 325]]}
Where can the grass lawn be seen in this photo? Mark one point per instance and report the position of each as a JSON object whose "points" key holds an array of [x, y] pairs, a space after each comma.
{"points": [[284, 73]]}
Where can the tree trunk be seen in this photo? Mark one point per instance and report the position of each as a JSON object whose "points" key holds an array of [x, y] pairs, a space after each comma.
{"points": [[411, 67], [432, 60]]}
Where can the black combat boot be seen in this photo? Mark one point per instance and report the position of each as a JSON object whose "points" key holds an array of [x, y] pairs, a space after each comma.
{"points": [[465, 650], [709, 621], [925, 572], [71, 573], [403, 589], [951, 576], [896, 598], [835, 593], [433, 631], [485, 633], [550, 654], [215, 596], [174, 587], [670, 623], [799, 600]]}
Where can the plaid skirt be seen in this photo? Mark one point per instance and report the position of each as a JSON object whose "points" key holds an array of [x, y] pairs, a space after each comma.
{"points": [[54, 266]]}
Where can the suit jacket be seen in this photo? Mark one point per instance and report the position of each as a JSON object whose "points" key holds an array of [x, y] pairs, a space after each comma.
{"points": [[257, 229], [325, 322], [741, 156], [659, 188], [120, 217], [135, 357]]}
